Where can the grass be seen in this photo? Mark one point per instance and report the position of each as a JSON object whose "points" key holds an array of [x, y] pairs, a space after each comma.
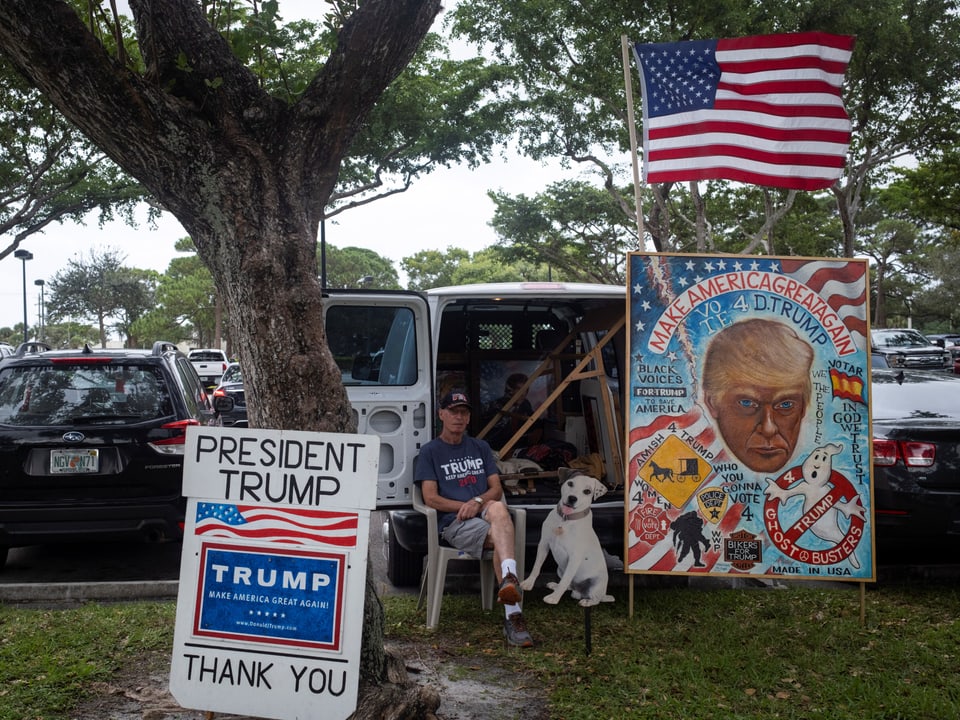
{"points": [[718, 654], [723, 654], [50, 658]]}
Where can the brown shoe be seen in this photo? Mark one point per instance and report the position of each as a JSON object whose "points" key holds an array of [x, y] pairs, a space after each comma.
{"points": [[509, 593], [515, 630]]}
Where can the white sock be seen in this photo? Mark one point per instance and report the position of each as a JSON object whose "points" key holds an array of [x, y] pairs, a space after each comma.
{"points": [[510, 610], [508, 567]]}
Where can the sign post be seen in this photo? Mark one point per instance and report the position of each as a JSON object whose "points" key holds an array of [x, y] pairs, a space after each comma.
{"points": [[272, 576]]}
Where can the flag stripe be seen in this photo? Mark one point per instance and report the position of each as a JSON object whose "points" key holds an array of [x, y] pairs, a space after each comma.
{"points": [[765, 110], [801, 43], [735, 164], [766, 113], [830, 71], [776, 86], [718, 128], [756, 155]]}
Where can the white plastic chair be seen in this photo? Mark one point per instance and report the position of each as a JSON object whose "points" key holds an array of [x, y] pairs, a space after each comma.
{"points": [[438, 555]]}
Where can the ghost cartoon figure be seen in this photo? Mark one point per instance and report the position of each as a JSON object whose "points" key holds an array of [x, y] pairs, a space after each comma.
{"points": [[817, 469]]}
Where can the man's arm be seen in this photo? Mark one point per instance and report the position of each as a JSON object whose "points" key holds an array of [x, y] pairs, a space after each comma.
{"points": [[494, 487], [463, 509]]}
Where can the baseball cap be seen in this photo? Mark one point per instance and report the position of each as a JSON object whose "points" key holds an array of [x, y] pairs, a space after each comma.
{"points": [[454, 398]]}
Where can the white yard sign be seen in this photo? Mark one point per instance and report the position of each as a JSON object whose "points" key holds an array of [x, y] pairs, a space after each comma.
{"points": [[270, 605]]}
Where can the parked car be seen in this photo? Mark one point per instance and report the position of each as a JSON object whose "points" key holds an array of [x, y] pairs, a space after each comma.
{"points": [[231, 386], [91, 443], [210, 364], [5, 349], [916, 461], [907, 348], [948, 341]]}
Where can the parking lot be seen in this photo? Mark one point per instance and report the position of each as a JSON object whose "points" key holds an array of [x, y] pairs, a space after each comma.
{"points": [[110, 571]]}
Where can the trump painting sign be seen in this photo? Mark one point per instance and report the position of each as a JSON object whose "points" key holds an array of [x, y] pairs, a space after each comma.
{"points": [[748, 417], [270, 606]]}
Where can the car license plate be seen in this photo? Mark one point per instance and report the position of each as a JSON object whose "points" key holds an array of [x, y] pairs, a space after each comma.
{"points": [[74, 462]]}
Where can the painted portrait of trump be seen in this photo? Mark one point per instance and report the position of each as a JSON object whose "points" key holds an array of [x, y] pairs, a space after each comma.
{"points": [[757, 386]]}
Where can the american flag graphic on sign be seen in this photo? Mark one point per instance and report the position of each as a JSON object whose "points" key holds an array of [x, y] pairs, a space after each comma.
{"points": [[294, 526]]}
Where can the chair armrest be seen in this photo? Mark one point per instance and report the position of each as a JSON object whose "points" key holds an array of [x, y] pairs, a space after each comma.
{"points": [[433, 535], [519, 516]]}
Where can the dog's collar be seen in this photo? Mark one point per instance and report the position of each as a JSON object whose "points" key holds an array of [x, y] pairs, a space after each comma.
{"points": [[572, 516]]}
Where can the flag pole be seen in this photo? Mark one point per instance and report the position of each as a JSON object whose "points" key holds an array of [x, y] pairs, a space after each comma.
{"points": [[634, 155]]}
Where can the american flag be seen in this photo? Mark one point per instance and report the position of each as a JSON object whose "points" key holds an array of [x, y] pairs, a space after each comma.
{"points": [[293, 526], [764, 110]]}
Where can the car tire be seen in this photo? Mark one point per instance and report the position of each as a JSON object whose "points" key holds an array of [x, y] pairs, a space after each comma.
{"points": [[403, 567]]}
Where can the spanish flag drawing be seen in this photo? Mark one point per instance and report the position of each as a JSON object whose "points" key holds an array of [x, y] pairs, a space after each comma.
{"points": [[847, 387]]}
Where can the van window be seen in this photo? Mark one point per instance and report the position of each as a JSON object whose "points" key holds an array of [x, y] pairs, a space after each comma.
{"points": [[373, 345], [507, 336]]}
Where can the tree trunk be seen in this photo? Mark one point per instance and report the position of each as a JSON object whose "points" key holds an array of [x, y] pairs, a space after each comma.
{"points": [[248, 176]]}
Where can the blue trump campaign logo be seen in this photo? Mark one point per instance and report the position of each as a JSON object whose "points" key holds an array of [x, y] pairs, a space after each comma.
{"points": [[282, 596]]}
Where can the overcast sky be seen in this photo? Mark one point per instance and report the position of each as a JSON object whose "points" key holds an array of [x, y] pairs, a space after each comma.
{"points": [[448, 207]]}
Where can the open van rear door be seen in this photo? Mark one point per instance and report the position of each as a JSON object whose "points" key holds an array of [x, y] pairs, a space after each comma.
{"points": [[381, 342]]}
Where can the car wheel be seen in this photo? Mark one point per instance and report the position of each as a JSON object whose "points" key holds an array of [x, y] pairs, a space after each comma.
{"points": [[403, 567]]}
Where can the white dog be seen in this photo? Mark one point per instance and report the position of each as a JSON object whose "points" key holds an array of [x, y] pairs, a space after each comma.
{"points": [[568, 534]]}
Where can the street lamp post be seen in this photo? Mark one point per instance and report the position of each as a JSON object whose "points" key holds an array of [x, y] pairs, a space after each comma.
{"points": [[43, 308], [24, 255]]}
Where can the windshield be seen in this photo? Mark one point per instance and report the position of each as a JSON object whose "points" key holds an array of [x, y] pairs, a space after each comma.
{"points": [[899, 338], [206, 356], [75, 394], [232, 375]]}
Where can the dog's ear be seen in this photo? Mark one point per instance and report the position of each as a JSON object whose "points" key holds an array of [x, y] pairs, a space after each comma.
{"points": [[599, 489], [563, 473]]}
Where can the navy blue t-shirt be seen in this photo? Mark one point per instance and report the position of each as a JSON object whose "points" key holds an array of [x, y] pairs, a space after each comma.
{"points": [[461, 471]]}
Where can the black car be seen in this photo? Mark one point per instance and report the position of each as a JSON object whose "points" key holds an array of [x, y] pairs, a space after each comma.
{"points": [[231, 386], [916, 462], [905, 347], [91, 443]]}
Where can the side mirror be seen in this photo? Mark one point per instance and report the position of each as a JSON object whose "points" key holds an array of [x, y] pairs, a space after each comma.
{"points": [[223, 403]]}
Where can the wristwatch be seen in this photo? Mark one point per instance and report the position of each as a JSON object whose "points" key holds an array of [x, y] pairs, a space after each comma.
{"points": [[478, 499]]}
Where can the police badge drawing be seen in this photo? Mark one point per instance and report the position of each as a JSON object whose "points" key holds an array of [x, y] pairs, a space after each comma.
{"points": [[748, 417]]}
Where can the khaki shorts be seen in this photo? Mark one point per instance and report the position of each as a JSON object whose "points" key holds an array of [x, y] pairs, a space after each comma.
{"points": [[467, 535]]}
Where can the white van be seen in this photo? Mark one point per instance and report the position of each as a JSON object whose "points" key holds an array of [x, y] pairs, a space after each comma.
{"points": [[400, 351]]}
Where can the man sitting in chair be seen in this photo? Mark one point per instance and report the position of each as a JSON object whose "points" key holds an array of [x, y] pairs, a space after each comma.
{"points": [[458, 477]]}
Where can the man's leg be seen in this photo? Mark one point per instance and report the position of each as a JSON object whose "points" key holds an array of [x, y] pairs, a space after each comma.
{"points": [[501, 537]]}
